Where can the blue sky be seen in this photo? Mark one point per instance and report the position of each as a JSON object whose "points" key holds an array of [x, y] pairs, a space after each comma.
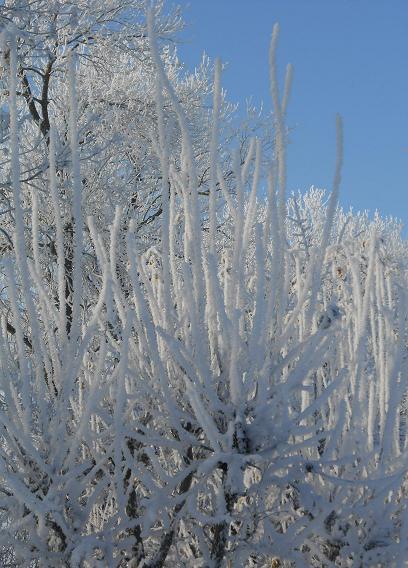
{"points": [[349, 56]]}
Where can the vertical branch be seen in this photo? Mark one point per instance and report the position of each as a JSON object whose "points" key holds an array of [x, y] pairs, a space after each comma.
{"points": [[280, 151], [280, 125], [191, 209], [331, 209], [19, 237], [287, 87], [76, 203], [164, 166], [59, 236], [35, 229], [214, 153]]}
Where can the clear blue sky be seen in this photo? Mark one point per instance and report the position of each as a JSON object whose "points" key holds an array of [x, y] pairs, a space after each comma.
{"points": [[349, 56]]}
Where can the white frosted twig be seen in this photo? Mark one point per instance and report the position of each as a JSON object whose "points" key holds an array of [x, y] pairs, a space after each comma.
{"points": [[214, 153], [331, 209], [76, 203], [59, 236], [280, 127]]}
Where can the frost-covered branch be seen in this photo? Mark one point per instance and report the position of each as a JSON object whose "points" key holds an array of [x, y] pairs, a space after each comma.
{"points": [[226, 397]]}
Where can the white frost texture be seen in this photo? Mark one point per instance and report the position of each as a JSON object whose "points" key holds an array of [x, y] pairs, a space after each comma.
{"points": [[198, 369]]}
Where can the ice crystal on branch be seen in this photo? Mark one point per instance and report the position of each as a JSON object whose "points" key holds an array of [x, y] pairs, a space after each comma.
{"points": [[232, 391]]}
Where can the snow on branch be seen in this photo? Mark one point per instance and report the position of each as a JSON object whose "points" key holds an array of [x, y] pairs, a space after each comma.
{"points": [[232, 395]]}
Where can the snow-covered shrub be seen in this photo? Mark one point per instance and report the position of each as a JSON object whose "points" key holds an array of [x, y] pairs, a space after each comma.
{"points": [[234, 396]]}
